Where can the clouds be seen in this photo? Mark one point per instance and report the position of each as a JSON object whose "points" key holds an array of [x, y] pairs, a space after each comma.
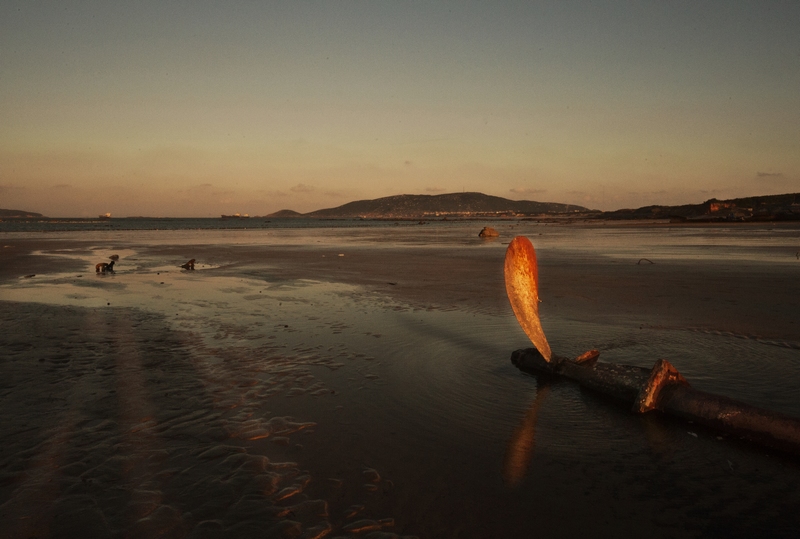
{"points": [[527, 191], [209, 188], [775, 183], [770, 175], [205, 192], [7, 189], [302, 188]]}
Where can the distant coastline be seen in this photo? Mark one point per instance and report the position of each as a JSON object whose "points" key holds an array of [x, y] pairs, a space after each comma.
{"points": [[479, 206], [461, 206], [19, 214], [748, 209]]}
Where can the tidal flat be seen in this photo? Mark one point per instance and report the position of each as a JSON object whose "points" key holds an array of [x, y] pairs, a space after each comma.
{"points": [[356, 382]]}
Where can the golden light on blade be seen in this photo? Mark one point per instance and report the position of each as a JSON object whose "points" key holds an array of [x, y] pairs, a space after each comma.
{"points": [[522, 286]]}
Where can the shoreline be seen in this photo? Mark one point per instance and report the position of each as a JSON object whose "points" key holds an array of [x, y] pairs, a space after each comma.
{"points": [[581, 284]]}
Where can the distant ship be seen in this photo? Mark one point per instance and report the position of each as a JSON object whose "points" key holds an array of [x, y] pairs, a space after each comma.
{"points": [[236, 216], [105, 216]]}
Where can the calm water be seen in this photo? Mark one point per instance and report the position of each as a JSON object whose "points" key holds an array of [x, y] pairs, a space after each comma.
{"points": [[403, 414], [173, 223]]}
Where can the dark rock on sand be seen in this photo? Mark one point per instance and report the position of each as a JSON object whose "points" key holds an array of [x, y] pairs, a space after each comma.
{"points": [[488, 232]]}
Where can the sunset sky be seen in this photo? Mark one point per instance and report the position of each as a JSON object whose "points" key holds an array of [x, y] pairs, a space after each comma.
{"points": [[201, 108]]}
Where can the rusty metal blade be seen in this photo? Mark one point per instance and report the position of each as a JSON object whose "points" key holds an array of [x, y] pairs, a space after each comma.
{"points": [[522, 287]]}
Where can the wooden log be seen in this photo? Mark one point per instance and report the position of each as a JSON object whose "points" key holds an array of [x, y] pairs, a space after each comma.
{"points": [[733, 417], [663, 388]]}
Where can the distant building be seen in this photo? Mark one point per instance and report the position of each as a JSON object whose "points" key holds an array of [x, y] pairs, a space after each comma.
{"points": [[717, 206]]}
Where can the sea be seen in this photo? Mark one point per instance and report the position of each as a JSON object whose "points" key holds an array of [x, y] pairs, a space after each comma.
{"points": [[178, 223]]}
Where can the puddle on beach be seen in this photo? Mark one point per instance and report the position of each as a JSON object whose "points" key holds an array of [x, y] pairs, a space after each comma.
{"points": [[155, 401]]}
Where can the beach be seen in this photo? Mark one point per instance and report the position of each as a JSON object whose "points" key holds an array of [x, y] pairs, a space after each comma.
{"points": [[355, 381]]}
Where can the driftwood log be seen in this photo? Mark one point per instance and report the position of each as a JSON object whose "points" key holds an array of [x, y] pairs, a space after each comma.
{"points": [[663, 388]]}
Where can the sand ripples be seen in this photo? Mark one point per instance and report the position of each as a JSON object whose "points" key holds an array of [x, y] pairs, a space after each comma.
{"points": [[146, 432]]}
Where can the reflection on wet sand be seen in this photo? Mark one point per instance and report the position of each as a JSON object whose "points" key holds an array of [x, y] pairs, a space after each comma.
{"points": [[520, 447]]}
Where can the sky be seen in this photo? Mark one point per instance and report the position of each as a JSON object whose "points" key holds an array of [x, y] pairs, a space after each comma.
{"points": [[195, 109]]}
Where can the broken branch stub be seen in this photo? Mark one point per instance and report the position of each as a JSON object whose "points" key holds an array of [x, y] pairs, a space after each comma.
{"points": [[663, 374], [522, 286]]}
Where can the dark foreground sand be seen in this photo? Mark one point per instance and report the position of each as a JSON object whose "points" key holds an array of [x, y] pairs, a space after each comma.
{"points": [[287, 391]]}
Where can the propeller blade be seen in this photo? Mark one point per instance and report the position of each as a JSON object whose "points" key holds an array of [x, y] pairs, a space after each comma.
{"points": [[522, 287]]}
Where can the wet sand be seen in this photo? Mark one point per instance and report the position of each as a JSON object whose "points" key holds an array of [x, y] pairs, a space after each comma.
{"points": [[282, 390]]}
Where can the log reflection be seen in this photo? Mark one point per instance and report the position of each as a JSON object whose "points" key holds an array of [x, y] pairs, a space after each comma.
{"points": [[523, 439]]}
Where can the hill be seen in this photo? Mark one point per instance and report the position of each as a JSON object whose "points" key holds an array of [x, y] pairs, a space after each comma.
{"points": [[438, 206], [762, 208], [284, 214], [10, 214]]}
